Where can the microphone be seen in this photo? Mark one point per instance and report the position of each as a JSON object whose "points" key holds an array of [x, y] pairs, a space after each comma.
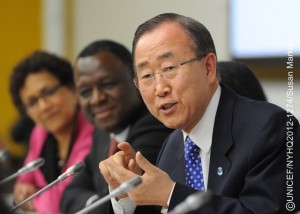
{"points": [[72, 170], [32, 165], [192, 203], [4, 154], [124, 187]]}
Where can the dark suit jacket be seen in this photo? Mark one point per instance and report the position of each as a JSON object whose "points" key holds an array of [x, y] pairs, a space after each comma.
{"points": [[250, 144], [146, 134]]}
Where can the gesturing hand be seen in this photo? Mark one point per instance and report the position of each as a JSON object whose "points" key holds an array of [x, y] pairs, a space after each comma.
{"points": [[124, 158], [156, 186]]}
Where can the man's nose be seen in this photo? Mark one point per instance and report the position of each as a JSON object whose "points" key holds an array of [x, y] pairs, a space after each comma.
{"points": [[162, 87], [97, 95]]}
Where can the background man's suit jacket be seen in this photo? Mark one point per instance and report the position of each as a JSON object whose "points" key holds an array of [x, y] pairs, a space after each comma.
{"points": [[249, 143], [146, 134]]}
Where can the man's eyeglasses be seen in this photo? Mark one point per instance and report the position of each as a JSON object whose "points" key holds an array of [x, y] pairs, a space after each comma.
{"points": [[146, 79], [45, 94]]}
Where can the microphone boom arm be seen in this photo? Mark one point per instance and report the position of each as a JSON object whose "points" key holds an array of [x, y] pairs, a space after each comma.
{"points": [[27, 168], [34, 195], [72, 170], [124, 187], [9, 178]]}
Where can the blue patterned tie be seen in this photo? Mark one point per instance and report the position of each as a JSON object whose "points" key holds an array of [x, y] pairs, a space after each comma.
{"points": [[193, 165]]}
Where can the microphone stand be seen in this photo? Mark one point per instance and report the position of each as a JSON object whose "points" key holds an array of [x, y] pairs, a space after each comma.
{"points": [[34, 195], [69, 172], [192, 202], [96, 204], [9, 178], [125, 187], [29, 167]]}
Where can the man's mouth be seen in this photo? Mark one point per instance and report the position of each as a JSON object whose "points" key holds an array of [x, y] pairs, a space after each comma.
{"points": [[167, 106], [103, 114]]}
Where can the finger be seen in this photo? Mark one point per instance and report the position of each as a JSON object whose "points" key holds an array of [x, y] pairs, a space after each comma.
{"points": [[127, 149], [119, 158], [134, 167], [105, 172], [144, 164], [118, 172], [112, 182], [128, 153]]}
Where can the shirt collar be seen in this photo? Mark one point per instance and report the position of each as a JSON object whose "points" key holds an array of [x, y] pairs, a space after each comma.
{"points": [[202, 133], [121, 136]]}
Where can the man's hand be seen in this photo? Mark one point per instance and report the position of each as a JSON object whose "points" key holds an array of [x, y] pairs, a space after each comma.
{"points": [[124, 158], [156, 186]]}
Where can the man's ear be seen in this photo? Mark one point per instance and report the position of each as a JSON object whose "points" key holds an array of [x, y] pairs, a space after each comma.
{"points": [[211, 66]]}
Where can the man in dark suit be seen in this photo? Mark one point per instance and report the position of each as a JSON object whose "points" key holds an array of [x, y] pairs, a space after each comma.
{"points": [[103, 75], [249, 150]]}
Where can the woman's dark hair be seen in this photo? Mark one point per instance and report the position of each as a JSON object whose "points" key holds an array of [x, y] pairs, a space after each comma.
{"points": [[39, 61], [202, 41], [118, 50]]}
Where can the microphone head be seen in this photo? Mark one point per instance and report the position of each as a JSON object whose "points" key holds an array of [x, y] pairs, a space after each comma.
{"points": [[130, 184], [134, 182], [192, 202], [197, 199], [72, 170], [32, 165], [36, 163], [4, 154]]}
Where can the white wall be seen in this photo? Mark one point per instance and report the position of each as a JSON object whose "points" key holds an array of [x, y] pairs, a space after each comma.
{"points": [[54, 28], [118, 20]]}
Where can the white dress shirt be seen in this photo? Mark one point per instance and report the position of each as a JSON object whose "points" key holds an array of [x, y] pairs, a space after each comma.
{"points": [[202, 133], [122, 136]]}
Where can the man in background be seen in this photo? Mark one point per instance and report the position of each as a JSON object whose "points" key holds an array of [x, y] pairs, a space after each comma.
{"points": [[110, 101]]}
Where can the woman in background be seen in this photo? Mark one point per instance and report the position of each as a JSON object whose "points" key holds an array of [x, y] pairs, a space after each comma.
{"points": [[42, 87], [241, 79]]}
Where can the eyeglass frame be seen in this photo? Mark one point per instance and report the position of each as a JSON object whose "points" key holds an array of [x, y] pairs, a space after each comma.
{"points": [[48, 92], [135, 79]]}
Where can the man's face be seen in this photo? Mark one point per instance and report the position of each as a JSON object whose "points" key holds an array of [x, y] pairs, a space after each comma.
{"points": [[107, 95], [179, 101]]}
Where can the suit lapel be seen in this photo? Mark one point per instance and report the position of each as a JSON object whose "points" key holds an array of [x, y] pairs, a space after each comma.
{"points": [[171, 159], [179, 169], [221, 142], [99, 152], [102, 142]]}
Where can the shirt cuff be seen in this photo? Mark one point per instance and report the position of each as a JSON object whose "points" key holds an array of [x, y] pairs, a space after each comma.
{"points": [[91, 200], [122, 206], [165, 210]]}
